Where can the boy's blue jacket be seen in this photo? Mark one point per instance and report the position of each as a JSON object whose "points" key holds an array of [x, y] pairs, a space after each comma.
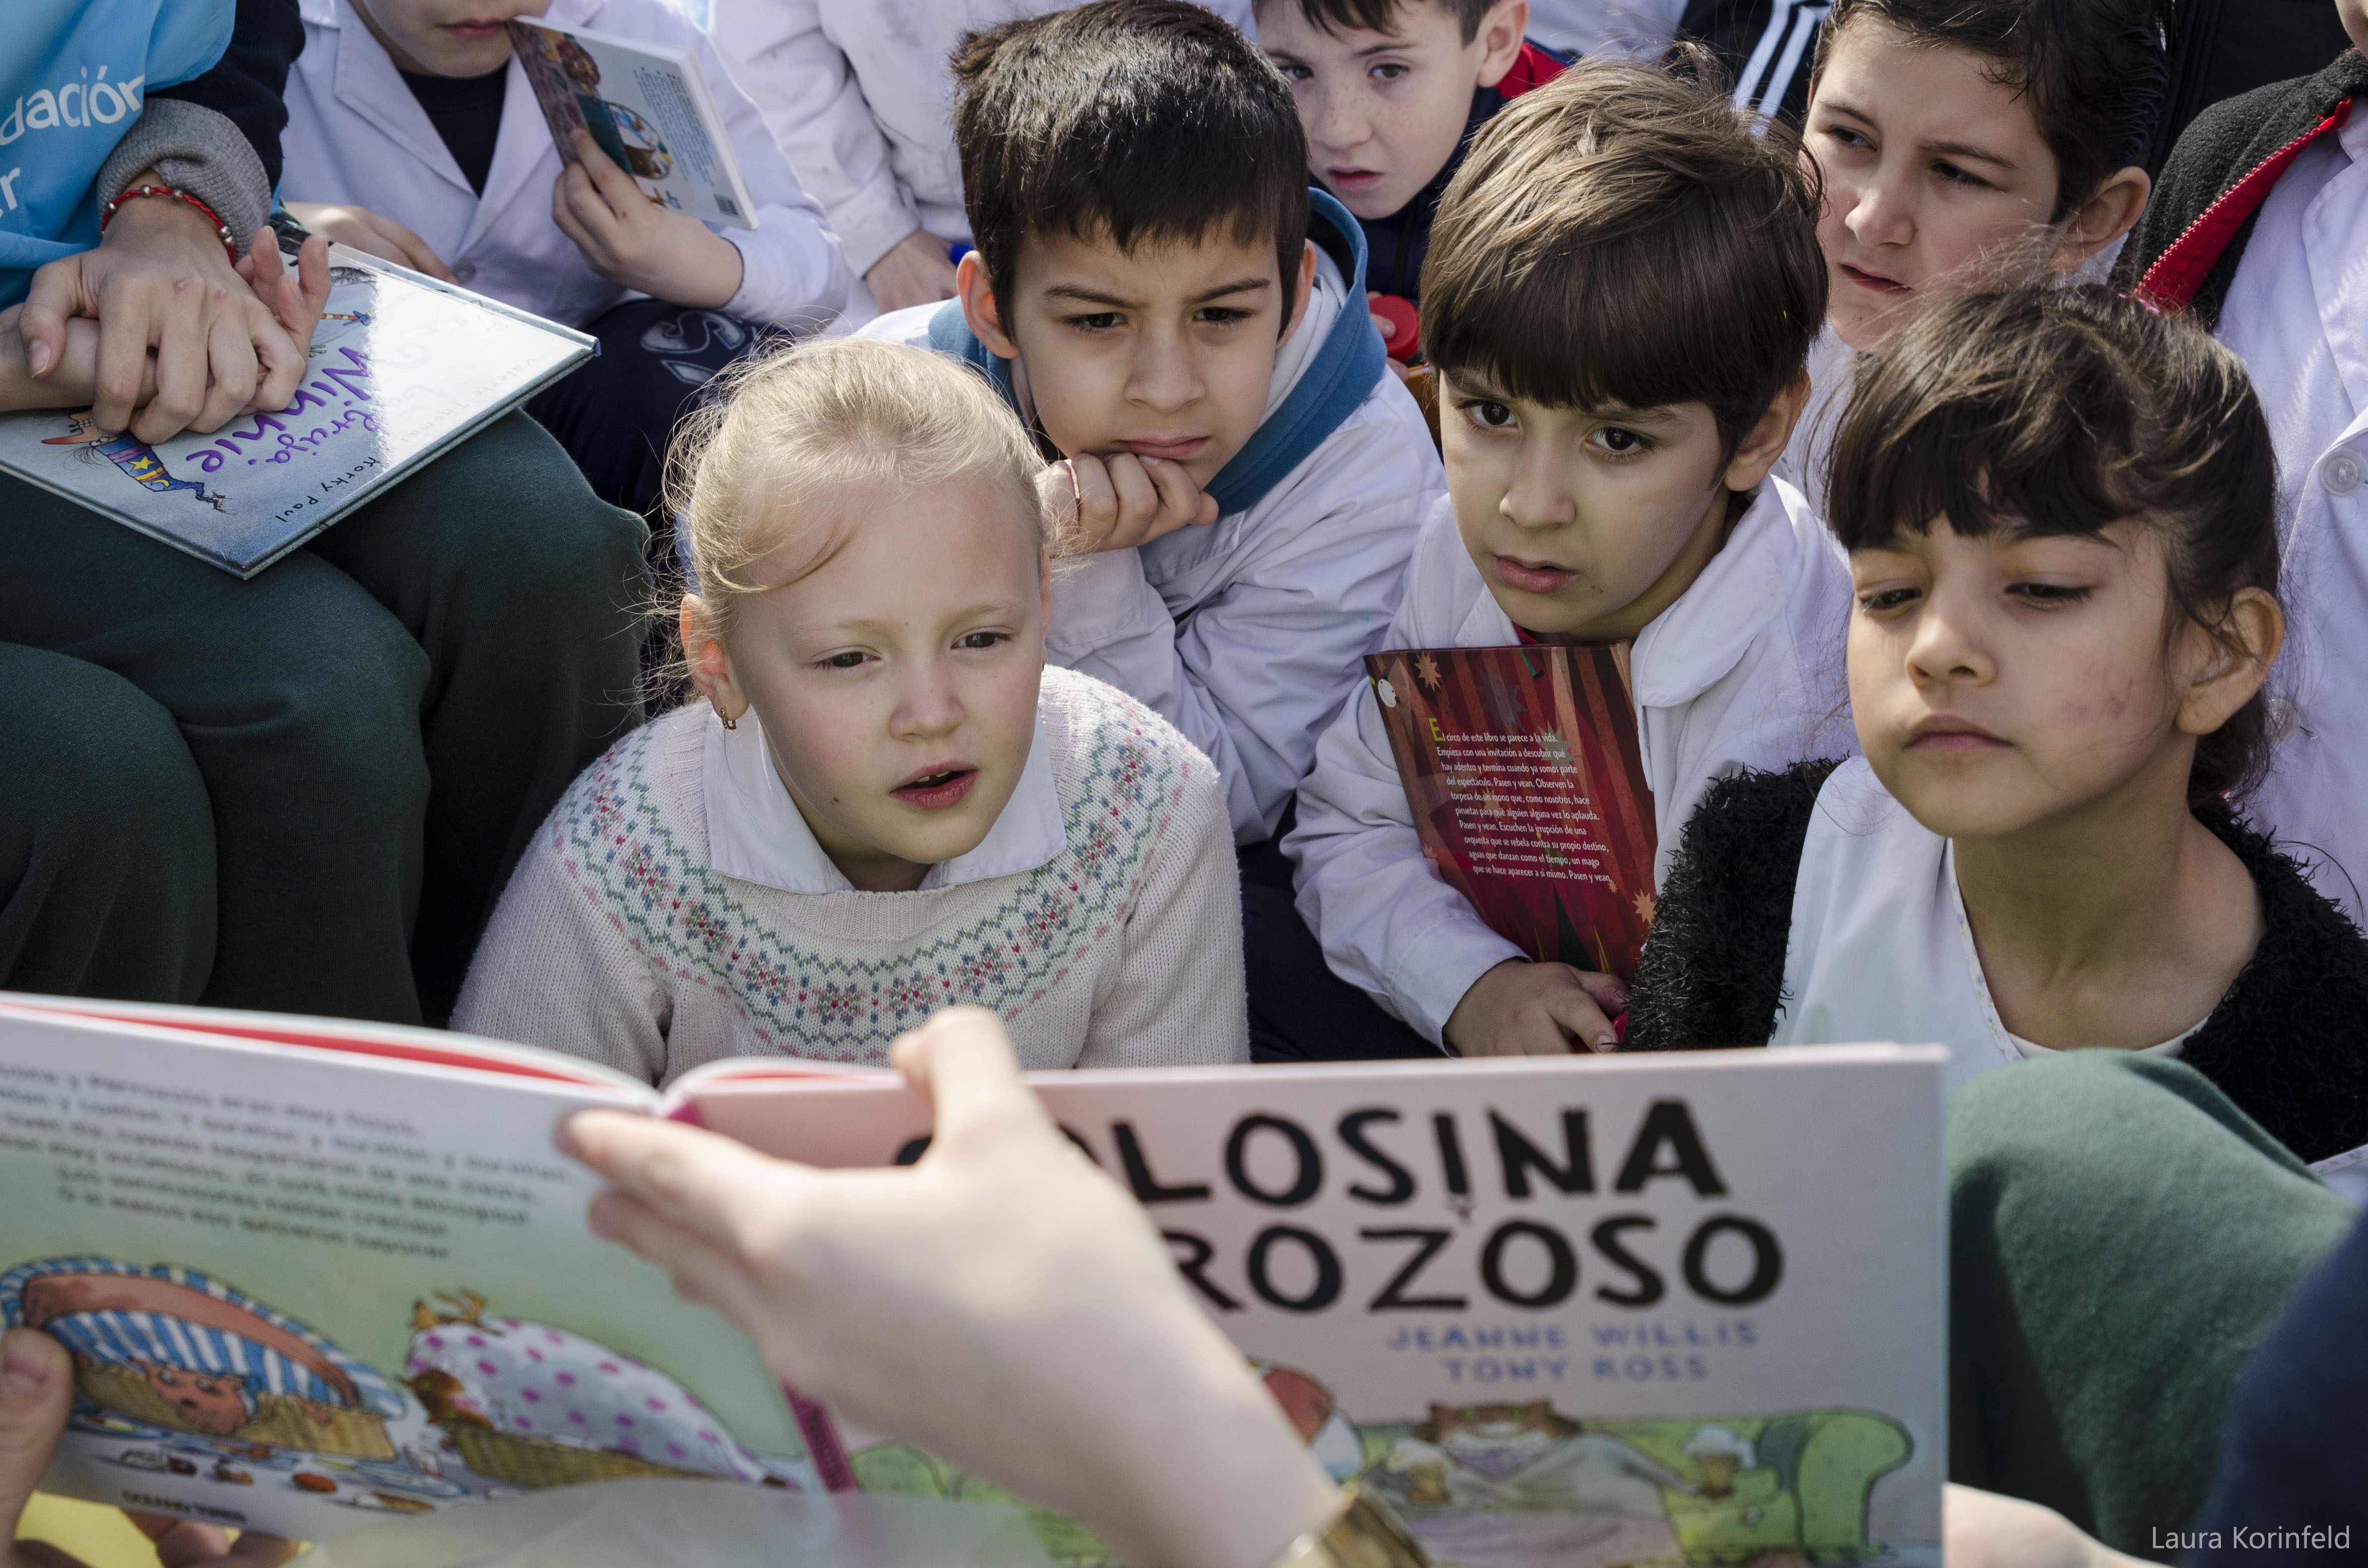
{"points": [[1334, 383], [73, 76], [1246, 634]]}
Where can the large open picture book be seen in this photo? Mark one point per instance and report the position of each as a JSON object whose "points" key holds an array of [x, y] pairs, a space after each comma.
{"points": [[1578, 1312]]}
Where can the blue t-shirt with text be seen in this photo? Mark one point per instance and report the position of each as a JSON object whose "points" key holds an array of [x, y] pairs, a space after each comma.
{"points": [[73, 74]]}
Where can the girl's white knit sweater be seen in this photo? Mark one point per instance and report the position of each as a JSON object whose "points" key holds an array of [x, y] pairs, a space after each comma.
{"points": [[619, 940]]}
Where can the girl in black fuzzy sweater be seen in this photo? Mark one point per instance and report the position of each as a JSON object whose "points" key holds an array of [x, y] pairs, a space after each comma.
{"points": [[2067, 611]]}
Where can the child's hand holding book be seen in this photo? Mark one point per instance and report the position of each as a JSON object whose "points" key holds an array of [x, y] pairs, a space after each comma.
{"points": [[1519, 1008], [635, 242], [36, 1386], [1002, 1303]]}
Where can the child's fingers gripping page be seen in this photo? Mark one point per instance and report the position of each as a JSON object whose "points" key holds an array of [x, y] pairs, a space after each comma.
{"points": [[613, 184], [961, 1064], [564, 193], [688, 1176], [36, 1384]]}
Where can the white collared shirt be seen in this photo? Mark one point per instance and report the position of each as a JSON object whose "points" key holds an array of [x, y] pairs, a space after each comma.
{"points": [[858, 96], [754, 831], [2297, 314], [1881, 950], [1745, 670]]}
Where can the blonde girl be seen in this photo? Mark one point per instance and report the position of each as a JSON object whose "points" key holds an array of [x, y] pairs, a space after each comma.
{"points": [[886, 804]]}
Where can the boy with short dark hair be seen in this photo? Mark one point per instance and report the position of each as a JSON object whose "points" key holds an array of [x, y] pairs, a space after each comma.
{"points": [[1621, 290], [1391, 93], [1161, 296]]}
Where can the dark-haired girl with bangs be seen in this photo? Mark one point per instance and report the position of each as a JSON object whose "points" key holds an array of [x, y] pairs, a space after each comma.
{"points": [[2059, 512], [2058, 509]]}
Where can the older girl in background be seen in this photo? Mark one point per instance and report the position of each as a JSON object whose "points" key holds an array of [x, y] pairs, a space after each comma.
{"points": [[1966, 143]]}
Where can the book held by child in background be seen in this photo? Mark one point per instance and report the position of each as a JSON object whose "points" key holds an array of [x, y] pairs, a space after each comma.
{"points": [[1526, 782], [402, 367], [648, 105], [1573, 1311]]}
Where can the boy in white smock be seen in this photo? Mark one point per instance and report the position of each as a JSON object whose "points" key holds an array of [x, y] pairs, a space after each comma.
{"points": [[1610, 406], [412, 134]]}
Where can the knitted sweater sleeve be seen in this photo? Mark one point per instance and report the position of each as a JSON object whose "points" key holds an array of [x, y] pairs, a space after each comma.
{"points": [[554, 971], [1177, 997], [1712, 972]]}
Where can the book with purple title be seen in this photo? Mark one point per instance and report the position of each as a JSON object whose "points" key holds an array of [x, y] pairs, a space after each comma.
{"points": [[401, 367]]}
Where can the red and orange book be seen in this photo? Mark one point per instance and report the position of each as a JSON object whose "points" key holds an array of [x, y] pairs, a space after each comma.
{"points": [[1527, 784]]}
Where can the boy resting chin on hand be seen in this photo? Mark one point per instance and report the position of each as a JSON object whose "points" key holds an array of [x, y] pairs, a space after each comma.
{"points": [[1161, 297]]}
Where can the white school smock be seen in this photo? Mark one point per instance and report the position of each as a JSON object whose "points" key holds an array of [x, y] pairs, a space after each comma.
{"points": [[1744, 671], [1881, 950], [1807, 463], [357, 136], [1248, 633], [858, 96], [2297, 314]]}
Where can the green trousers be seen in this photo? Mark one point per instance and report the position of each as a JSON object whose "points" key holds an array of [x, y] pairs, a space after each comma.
{"points": [[106, 840], [375, 725], [2121, 1239]]}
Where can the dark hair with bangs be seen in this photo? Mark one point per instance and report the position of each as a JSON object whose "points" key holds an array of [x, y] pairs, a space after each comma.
{"points": [[1624, 237], [1337, 17], [1126, 121], [2063, 411], [2096, 73]]}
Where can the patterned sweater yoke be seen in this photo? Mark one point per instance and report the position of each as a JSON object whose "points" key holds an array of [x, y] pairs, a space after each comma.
{"points": [[730, 967]]}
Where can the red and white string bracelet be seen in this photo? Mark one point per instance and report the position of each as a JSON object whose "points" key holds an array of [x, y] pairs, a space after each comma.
{"points": [[222, 230]]}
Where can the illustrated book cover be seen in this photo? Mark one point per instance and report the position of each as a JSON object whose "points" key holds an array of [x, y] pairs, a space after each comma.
{"points": [[1522, 770], [1684, 1308], [401, 367], [648, 106]]}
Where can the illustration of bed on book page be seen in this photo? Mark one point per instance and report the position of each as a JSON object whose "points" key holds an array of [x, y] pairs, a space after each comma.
{"points": [[1561, 1313], [401, 367], [301, 1301]]}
